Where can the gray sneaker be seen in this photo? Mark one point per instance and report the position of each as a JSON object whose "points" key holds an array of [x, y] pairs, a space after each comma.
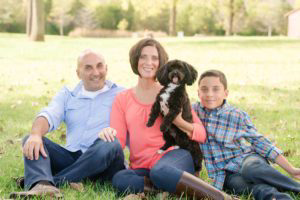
{"points": [[39, 190]]}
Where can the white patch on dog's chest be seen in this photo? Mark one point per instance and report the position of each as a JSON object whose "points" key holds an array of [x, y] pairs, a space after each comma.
{"points": [[166, 95]]}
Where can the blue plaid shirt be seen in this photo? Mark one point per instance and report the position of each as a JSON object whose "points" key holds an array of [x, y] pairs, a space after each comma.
{"points": [[231, 136]]}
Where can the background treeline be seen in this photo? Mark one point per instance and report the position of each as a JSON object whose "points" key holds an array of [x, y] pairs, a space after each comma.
{"points": [[204, 17]]}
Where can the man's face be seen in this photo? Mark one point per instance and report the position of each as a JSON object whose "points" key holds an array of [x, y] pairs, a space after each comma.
{"points": [[211, 92], [92, 71]]}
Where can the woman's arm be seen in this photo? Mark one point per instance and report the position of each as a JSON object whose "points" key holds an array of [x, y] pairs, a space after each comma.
{"points": [[183, 125], [195, 131]]}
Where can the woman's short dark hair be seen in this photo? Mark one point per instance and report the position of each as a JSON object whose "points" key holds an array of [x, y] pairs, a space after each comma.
{"points": [[135, 53]]}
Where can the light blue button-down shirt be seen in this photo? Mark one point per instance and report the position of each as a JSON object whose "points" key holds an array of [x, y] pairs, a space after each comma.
{"points": [[84, 117]]}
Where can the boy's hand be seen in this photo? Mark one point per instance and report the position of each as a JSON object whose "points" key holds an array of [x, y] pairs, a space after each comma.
{"points": [[296, 173], [108, 134]]}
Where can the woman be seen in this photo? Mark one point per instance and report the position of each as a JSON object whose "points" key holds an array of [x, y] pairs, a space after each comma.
{"points": [[172, 170]]}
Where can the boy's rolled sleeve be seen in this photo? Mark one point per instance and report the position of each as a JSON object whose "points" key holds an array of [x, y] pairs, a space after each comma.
{"points": [[273, 153], [261, 145]]}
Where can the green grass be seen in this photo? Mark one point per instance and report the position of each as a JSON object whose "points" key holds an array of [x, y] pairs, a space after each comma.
{"points": [[263, 75]]}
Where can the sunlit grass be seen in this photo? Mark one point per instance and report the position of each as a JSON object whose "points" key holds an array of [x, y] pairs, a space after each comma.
{"points": [[263, 76]]}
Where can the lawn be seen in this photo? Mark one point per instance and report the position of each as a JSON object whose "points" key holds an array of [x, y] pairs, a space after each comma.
{"points": [[263, 75]]}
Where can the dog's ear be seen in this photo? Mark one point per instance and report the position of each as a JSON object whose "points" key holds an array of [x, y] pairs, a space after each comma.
{"points": [[191, 73], [162, 74]]}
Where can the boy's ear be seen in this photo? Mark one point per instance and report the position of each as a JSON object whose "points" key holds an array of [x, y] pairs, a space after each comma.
{"points": [[226, 93]]}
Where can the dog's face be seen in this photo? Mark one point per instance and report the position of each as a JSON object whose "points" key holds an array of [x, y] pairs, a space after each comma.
{"points": [[177, 72]]}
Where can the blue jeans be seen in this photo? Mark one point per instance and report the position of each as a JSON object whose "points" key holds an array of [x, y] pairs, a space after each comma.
{"points": [[260, 178], [164, 175], [100, 162]]}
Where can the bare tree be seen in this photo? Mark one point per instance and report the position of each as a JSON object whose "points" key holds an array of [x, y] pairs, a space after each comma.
{"points": [[35, 22], [230, 17], [172, 19]]}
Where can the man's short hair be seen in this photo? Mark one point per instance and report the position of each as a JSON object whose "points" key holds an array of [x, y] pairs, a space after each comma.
{"points": [[86, 52], [135, 53], [214, 73]]}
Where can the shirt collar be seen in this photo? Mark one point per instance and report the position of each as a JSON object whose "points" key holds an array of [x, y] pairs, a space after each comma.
{"points": [[77, 89], [225, 106]]}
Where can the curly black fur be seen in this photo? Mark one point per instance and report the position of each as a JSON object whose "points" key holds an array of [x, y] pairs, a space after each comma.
{"points": [[174, 75]]}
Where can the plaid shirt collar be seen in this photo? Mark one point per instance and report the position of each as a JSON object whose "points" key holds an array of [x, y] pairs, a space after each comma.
{"points": [[219, 110]]}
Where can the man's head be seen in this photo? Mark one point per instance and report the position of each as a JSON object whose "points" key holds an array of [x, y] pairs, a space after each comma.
{"points": [[212, 89], [92, 70]]}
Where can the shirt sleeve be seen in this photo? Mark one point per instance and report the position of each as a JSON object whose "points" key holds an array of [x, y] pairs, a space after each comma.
{"points": [[260, 144], [55, 111], [118, 120], [199, 133]]}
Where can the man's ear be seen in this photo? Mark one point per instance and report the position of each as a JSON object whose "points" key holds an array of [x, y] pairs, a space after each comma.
{"points": [[78, 74]]}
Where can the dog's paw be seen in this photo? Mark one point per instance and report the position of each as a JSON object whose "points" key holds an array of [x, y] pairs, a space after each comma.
{"points": [[160, 151], [163, 128], [149, 124]]}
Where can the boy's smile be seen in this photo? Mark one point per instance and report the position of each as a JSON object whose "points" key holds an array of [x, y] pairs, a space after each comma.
{"points": [[211, 92]]}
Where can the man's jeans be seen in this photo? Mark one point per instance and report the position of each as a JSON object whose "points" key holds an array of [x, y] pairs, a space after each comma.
{"points": [[258, 177], [100, 162]]}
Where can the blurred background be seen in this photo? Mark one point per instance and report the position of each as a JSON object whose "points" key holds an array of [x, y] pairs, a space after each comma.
{"points": [[158, 18]]}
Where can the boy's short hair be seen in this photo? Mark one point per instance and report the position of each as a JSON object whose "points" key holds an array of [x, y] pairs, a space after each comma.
{"points": [[214, 73], [135, 53]]}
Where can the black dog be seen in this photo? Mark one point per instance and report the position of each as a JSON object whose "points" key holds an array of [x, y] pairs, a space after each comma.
{"points": [[174, 75]]}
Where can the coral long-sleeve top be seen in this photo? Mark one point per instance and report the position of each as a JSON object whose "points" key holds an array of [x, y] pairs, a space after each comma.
{"points": [[129, 117]]}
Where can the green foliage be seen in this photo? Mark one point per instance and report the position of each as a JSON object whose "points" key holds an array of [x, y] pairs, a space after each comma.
{"points": [[156, 22], [109, 15], [129, 15]]}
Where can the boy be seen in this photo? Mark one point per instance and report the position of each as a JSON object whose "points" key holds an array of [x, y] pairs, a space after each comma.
{"points": [[231, 163]]}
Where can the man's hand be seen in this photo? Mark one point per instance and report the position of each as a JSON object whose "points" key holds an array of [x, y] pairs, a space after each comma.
{"points": [[108, 134], [33, 147]]}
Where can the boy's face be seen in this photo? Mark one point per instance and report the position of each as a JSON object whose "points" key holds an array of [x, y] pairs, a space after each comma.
{"points": [[211, 92]]}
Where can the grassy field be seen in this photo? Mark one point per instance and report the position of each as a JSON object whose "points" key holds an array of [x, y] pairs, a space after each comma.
{"points": [[263, 75]]}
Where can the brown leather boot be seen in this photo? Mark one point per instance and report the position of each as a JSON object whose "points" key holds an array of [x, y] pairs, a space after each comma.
{"points": [[148, 185], [195, 187]]}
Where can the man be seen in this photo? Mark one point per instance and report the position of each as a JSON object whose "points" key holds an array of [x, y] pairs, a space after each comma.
{"points": [[85, 111]]}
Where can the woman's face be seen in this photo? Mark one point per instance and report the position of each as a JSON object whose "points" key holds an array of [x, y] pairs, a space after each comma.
{"points": [[148, 62]]}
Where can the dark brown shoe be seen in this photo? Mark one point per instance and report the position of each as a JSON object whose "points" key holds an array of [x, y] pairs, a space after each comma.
{"points": [[19, 181], [39, 190]]}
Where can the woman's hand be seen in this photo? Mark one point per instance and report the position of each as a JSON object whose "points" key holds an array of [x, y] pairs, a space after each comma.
{"points": [[108, 134]]}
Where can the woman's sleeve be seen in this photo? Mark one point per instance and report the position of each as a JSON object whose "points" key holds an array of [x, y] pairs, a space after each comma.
{"points": [[117, 119], [199, 133]]}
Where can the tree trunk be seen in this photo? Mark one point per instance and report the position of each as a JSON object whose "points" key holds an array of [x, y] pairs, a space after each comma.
{"points": [[61, 26], [35, 20], [29, 17], [172, 19], [230, 18], [269, 30]]}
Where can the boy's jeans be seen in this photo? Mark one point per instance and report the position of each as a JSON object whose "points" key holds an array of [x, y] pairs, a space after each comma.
{"points": [[258, 177], [101, 161]]}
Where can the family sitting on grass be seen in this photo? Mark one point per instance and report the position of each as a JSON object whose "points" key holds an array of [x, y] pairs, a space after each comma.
{"points": [[102, 118]]}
